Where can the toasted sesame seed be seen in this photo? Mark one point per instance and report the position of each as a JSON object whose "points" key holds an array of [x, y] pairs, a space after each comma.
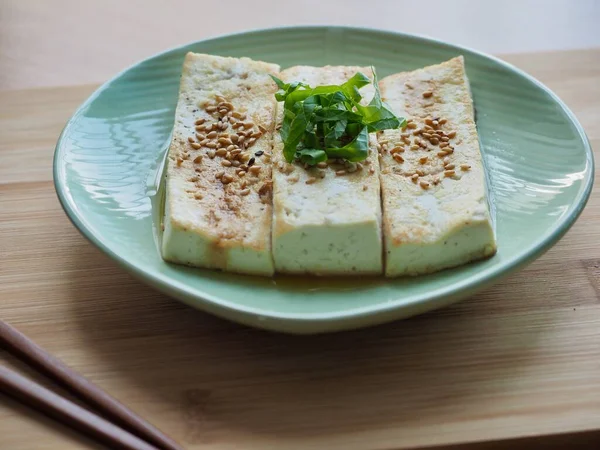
{"points": [[226, 163], [451, 134], [212, 135], [398, 158], [200, 128], [444, 139], [223, 125], [322, 165], [411, 125], [293, 178], [417, 132], [340, 173], [434, 141], [242, 173], [211, 109], [449, 166], [235, 163], [231, 147], [195, 145], [250, 142], [226, 179], [200, 121], [449, 173], [449, 149], [198, 159], [190, 139], [443, 144], [420, 172], [262, 129], [446, 161], [426, 135], [241, 139], [427, 94], [221, 152], [198, 196], [371, 170], [254, 169], [200, 137], [234, 138], [244, 192], [424, 184], [434, 123], [442, 121], [423, 159], [248, 125], [236, 151], [179, 162], [414, 147], [204, 141], [310, 180], [223, 111], [219, 174], [359, 166], [397, 150], [414, 177], [226, 105], [224, 141], [211, 145], [405, 135], [211, 154], [465, 167], [228, 155], [219, 98], [442, 153]]}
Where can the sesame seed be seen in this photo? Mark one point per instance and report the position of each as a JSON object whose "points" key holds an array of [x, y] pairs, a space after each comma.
{"points": [[427, 94], [219, 98], [190, 139], [224, 141], [371, 170], [223, 111], [198, 159], [311, 180], [443, 144], [465, 167], [219, 174], [262, 129], [235, 163], [423, 159], [221, 152], [200, 136], [236, 151], [340, 173], [242, 174], [195, 145], [226, 179], [365, 187], [322, 165], [244, 192], [251, 142], [427, 135], [211, 109], [248, 125], [234, 138], [405, 135], [420, 172], [424, 184], [359, 166], [212, 135], [179, 162], [293, 178], [251, 161], [449, 166], [254, 169], [226, 163], [411, 125], [434, 141], [226, 105], [198, 196], [228, 155], [446, 161], [417, 132], [239, 115], [211, 154], [443, 121], [444, 139], [442, 153], [451, 134], [398, 158], [200, 121], [200, 128], [435, 123], [204, 141], [414, 147], [397, 150], [448, 173], [414, 177]]}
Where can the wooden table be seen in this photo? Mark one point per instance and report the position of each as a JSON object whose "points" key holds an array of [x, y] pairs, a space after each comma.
{"points": [[520, 362]]}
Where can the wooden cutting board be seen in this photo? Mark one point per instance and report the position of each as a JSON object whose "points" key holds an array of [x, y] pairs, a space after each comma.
{"points": [[520, 360]]}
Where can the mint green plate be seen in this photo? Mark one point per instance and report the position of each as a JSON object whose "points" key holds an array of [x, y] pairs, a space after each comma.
{"points": [[106, 165]]}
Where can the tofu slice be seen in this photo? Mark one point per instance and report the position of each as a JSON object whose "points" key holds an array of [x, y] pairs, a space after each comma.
{"points": [[326, 223], [435, 210], [215, 218]]}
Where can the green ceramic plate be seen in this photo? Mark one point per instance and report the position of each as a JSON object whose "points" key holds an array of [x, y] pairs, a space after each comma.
{"points": [[107, 160]]}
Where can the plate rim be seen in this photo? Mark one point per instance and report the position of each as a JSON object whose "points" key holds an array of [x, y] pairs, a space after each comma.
{"points": [[167, 284]]}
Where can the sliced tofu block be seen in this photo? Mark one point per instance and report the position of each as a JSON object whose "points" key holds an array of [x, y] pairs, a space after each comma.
{"points": [[326, 221], [218, 210], [435, 210]]}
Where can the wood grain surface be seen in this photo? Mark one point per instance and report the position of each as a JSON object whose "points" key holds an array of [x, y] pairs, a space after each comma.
{"points": [[521, 360]]}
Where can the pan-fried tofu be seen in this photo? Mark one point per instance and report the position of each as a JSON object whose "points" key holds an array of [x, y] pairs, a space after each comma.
{"points": [[326, 221], [218, 209], [435, 209]]}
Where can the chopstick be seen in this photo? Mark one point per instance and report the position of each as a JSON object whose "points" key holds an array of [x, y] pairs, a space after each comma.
{"points": [[27, 350], [42, 399]]}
